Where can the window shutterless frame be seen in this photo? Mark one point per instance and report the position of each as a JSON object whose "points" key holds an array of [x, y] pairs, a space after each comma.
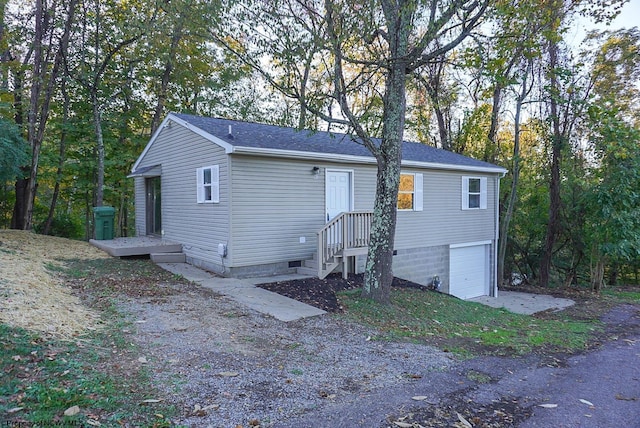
{"points": [[208, 184], [474, 193], [410, 192]]}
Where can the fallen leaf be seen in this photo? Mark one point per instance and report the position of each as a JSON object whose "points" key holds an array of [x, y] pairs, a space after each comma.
{"points": [[465, 422], [14, 410], [403, 424], [150, 401], [142, 360], [16, 358], [588, 403], [548, 406], [254, 423], [228, 374], [622, 397], [71, 411], [419, 397], [93, 423]]}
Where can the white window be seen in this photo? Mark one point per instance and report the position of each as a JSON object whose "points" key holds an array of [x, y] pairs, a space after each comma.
{"points": [[208, 179], [410, 192], [474, 193]]}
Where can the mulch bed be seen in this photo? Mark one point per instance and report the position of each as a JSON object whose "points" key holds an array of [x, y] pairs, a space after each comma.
{"points": [[321, 293]]}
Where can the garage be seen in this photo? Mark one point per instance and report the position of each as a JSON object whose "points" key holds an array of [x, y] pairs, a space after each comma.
{"points": [[469, 270]]}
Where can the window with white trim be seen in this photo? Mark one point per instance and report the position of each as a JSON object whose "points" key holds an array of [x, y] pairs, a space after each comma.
{"points": [[410, 192], [208, 184], [474, 193]]}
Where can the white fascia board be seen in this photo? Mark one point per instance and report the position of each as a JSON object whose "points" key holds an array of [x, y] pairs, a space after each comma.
{"points": [[228, 148], [292, 154], [469, 244], [173, 118], [433, 165]]}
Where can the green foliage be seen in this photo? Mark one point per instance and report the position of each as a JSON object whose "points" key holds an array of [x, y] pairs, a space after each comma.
{"points": [[613, 226], [13, 151], [64, 226]]}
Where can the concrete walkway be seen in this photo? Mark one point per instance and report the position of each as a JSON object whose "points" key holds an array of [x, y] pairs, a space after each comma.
{"points": [[244, 291], [524, 303]]}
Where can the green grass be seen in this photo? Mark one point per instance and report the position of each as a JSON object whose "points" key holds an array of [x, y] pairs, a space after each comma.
{"points": [[467, 328], [46, 377], [622, 295]]}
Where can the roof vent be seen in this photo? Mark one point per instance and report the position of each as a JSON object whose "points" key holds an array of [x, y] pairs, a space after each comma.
{"points": [[230, 132]]}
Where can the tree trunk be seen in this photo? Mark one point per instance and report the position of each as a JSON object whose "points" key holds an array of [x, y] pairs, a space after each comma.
{"points": [[61, 159], [433, 85], [553, 225], [597, 274], [39, 103], [166, 79], [379, 272], [97, 125], [513, 194], [17, 218], [32, 118]]}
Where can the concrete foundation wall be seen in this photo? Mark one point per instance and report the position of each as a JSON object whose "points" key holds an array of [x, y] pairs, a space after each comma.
{"points": [[420, 265], [243, 271]]}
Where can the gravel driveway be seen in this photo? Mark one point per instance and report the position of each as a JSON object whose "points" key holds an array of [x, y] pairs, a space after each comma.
{"points": [[226, 366]]}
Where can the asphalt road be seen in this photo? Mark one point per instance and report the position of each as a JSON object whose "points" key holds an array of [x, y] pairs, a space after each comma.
{"points": [[607, 381], [598, 389]]}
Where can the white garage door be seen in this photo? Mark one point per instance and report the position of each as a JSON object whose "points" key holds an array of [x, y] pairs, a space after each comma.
{"points": [[469, 271]]}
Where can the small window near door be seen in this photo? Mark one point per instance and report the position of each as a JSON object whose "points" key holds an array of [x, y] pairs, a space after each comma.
{"points": [[410, 192], [208, 182], [474, 193]]}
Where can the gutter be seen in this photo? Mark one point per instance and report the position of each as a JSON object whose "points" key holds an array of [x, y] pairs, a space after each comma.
{"points": [[293, 154], [497, 234]]}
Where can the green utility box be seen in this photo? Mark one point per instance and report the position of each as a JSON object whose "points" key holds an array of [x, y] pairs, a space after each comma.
{"points": [[103, 221]]}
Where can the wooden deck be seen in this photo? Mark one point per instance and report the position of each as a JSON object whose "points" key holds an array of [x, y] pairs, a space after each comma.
{"points": [[136, 246]]}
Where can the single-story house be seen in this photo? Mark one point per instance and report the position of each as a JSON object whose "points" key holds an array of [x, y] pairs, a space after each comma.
{"points": [[248, 199]]}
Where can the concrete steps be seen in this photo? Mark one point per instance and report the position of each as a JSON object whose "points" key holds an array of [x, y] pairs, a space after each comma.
{"points": [[168, 257], [309, 267]]}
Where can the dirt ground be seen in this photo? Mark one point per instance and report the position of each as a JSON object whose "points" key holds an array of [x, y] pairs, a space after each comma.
{"points": [[223, 365]]}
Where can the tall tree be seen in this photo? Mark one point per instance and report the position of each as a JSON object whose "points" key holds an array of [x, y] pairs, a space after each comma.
{"points": [[368, 47], [565, 100], [104, 32], [613, 127], [47, 54]]}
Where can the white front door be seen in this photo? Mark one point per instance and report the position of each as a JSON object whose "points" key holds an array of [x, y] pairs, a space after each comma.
{"points": [[338, 193]]}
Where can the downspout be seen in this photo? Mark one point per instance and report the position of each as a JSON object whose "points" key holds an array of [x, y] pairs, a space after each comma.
{"points": [[497, 235]]}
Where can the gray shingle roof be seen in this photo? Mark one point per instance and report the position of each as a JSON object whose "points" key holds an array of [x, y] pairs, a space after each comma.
{"points": [[256, 135]]}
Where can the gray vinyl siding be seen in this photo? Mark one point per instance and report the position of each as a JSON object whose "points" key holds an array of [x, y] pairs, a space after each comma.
{"points": [[140, 201], [275, 203], [199, 227], [443, 221]]}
